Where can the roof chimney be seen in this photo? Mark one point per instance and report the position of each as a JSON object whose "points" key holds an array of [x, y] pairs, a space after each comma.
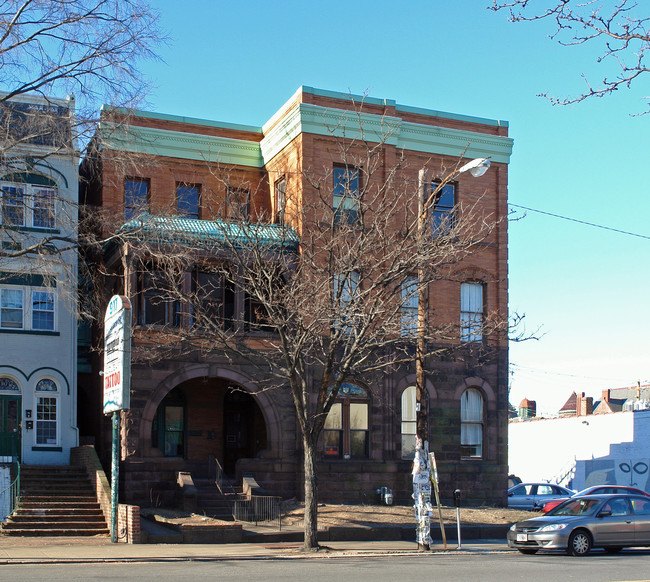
{"points": [[606, 395]]}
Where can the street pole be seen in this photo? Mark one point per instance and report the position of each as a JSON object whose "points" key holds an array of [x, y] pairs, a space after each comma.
{"points": [[115, 474], [421, 403]]}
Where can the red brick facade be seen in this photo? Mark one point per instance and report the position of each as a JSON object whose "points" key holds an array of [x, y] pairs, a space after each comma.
{"points": [[272, 451]]}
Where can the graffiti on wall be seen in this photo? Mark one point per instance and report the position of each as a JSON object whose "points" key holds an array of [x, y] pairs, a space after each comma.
{"points": [[630, 472]]}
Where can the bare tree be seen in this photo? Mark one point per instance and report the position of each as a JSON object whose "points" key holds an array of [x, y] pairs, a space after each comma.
{"points": [[87, 48], [326, 285], [618, 29]]}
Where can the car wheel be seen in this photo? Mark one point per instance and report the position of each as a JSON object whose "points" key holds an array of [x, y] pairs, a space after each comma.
{"points": [[579, 543], [613, 549], [527, 551]]}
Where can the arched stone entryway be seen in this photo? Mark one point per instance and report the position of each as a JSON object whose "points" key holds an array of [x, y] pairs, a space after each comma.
{"points": [[201, 411]]}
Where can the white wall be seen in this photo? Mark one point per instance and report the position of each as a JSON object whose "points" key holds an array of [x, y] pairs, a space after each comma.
{"points": [[582, 451]]}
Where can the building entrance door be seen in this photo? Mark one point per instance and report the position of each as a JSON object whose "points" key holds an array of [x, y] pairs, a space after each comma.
{"points": [[244, 428], [9, 428]]}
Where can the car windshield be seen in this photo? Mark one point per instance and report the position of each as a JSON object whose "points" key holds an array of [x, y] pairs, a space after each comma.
{"points": [[576, 507]]}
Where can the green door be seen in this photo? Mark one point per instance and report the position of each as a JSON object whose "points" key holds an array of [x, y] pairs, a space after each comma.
{"points": [[9, 428]]}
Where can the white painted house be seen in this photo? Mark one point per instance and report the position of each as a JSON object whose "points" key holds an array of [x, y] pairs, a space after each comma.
{"points": [[38, 324], [580, 451]]}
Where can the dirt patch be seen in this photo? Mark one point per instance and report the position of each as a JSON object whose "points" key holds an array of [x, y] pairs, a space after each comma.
{"points": [[360, 515], [397, 515]]}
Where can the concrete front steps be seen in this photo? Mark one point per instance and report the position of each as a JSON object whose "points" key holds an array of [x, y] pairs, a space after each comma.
{"points": [[215, 502], [56, 501]]}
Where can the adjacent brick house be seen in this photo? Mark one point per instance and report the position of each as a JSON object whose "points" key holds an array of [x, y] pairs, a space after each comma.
{"points": [[209, 174]]}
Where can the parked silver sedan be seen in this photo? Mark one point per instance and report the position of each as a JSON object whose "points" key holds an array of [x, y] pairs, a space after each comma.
{"points": [[535, 495], [611, 522]]}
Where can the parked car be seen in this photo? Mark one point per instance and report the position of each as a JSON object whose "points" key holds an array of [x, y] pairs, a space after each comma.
{"points": [[611, 522], [595, 490], [534, 495], [513, 480]]}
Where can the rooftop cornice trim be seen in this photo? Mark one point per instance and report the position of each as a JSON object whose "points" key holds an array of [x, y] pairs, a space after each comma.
{"points": [[37, 99], [339, 123], [180, 119], [177, 144], [360, 99]]}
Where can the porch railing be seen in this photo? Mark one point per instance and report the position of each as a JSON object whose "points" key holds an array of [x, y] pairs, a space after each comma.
{"points": [[10, 496], [259, 508]]}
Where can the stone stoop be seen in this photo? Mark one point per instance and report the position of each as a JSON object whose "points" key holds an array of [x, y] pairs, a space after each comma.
{"points": [[211, 501], [56, 501]]}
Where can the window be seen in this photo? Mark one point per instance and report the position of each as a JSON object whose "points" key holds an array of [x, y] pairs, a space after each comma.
{"points": [[31, 202], [27, 308], [409, 423], [155, 305], [215, 299], [8, 384], [46, 385], [346, 293], [188, 200], [410, 306], [471, 424], [13, 205], [346, 425], [168, 426], [280, 200], [471, 312], [43, 310], [43, 210], [237, 202], [345, 194], [11, 308], [442, 214], [46, 420], [136, 197]]}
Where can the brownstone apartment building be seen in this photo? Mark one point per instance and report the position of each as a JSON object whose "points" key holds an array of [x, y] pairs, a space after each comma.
{"points": [[185, 408]]}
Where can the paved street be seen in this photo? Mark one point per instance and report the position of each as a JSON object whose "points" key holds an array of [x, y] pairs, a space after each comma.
{"points": [[499, 566]]}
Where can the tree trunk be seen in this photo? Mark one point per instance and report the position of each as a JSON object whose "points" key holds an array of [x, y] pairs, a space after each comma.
{"points": [[311, 494]]}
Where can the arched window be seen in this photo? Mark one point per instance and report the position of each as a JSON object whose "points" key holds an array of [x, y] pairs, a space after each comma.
{"points": [[471, 424], [46, 385], [346, 426], [409, 423], [8, 384]]}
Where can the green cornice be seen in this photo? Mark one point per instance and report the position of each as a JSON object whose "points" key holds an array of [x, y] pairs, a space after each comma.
{"points": [[133, 113], [177, 144], [313, 119]]}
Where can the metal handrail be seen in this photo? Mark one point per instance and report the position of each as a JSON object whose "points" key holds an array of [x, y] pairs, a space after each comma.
{"points": [[10, 496], [215, 474]]}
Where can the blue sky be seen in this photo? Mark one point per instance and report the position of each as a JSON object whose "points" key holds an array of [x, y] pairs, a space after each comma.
{"points": [[582, 288]]}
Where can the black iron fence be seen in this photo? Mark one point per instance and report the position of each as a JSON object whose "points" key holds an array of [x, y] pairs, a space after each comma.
{"points": [[259, 509]]}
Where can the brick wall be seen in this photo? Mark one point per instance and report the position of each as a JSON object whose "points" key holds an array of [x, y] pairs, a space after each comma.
{"points": [[128, 520]]}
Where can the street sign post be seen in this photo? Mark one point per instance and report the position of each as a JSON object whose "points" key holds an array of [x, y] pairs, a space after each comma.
{"points": [[117, 383]]}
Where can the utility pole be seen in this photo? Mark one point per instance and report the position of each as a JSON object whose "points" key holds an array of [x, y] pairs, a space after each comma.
{"points": [[421, 401]]}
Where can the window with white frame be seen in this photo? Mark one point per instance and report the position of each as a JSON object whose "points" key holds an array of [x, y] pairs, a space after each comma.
{"points": [[409, 306], [12, 308], [27, 308], [46, 420], [42, 310], [409, 423], [471, 312], [26, 205], [471, 424]]}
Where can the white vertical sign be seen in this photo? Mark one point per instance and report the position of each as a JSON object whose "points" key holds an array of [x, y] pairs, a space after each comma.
{"points": [[117, 355]]}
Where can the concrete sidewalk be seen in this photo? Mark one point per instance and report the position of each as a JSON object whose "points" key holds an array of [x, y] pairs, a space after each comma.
{"points": [[93, 550]]}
